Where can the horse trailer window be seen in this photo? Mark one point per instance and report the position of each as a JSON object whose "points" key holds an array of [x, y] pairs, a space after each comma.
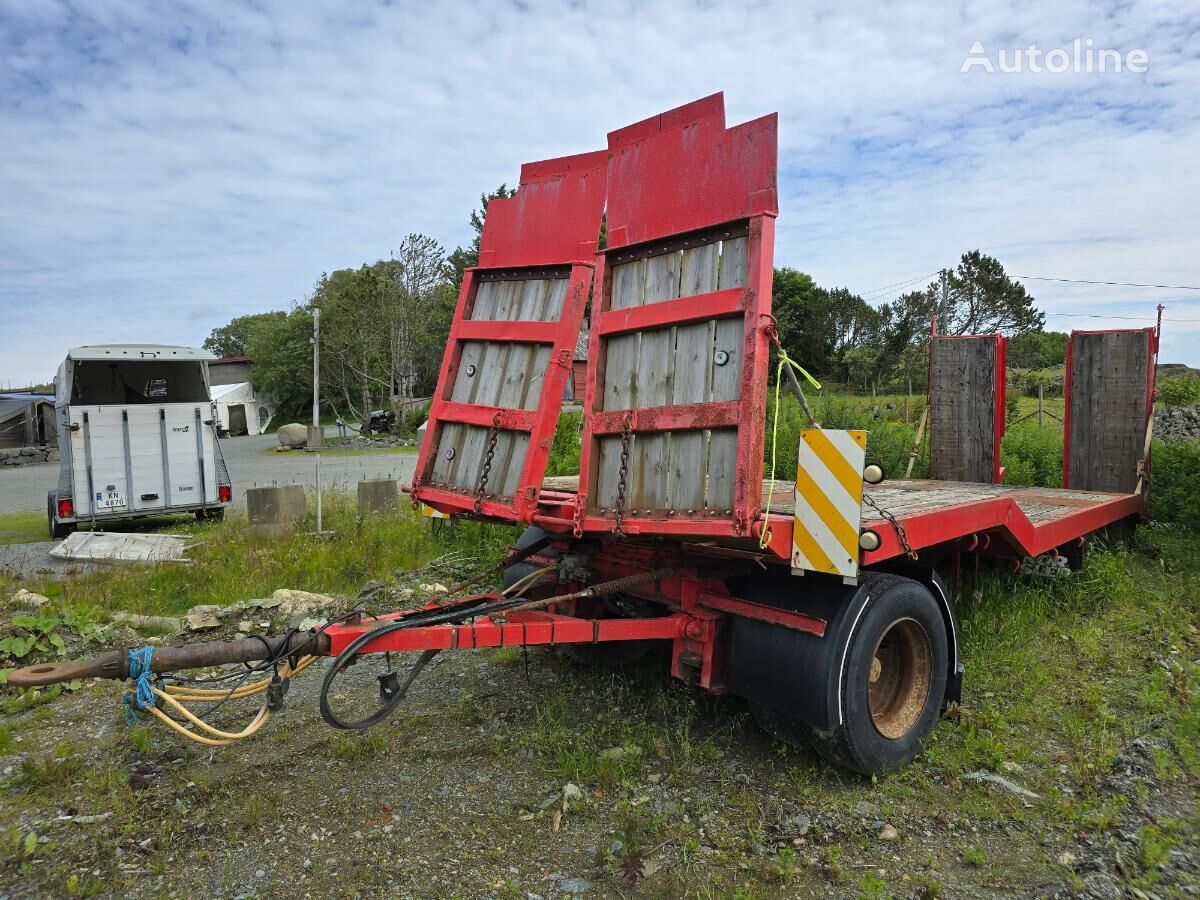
{"points": [[122, 382]]}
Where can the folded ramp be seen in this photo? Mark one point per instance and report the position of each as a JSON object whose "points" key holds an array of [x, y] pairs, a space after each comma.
{"points": [[511, 343], [676, 394], [1109, 400]]}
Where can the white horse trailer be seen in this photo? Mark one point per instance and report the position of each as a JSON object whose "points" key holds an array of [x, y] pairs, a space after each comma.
{"points": [[136, 437]]}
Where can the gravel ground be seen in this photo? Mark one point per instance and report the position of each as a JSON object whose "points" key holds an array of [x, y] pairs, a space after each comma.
{"points": [[509, 776], [24, 487]]}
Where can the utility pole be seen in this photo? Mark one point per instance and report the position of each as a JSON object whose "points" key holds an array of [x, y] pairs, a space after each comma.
{"points": [[944, 306], [317, 402]]}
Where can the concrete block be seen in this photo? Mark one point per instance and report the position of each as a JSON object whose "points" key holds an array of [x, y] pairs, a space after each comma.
{"points": [[315, 438], [378, 495], [279, 505]]}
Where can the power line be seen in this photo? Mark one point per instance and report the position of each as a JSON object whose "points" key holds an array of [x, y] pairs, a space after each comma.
{"points": [[1129, 318], [1164, 287], [899, 284]]}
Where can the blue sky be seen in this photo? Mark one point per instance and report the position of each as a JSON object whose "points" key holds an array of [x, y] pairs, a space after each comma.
{"points": [[167, 166]]}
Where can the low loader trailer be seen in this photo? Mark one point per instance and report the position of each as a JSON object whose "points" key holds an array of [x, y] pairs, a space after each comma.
{"points": [[818, 600]]}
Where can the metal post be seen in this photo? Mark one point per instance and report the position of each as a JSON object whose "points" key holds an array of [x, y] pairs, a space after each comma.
{"points": [[317, 401]]}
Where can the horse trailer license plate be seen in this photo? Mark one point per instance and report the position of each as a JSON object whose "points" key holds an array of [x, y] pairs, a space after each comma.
{"points": [[109, 499]]}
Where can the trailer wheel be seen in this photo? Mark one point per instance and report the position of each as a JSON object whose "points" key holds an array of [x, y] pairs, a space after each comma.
{"points": [[210, 515], [58, 530], [606, 654], [892, 680]]}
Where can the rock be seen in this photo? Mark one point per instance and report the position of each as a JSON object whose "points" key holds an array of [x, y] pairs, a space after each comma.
{"points": [[866, 809], [888, 833], [655, 778], [28, 600], [136, 620], [310, 623], [798, 825], [262, 603], [434, 588], [571, 792], [621, 753], [203, 618], [1066, 858], [372, 589], [245, 625], [300, 602], [292, 436], [1012, 768], [1000, 781]]}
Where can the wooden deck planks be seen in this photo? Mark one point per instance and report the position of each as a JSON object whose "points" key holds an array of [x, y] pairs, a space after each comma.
{"points": [[908, 498]]}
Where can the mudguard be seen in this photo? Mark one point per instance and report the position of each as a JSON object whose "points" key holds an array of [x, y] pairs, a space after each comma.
{"points": [[799, 674]]}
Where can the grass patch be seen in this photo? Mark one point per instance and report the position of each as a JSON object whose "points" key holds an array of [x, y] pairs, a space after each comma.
{"points": [[231, 562], [23, 527]]}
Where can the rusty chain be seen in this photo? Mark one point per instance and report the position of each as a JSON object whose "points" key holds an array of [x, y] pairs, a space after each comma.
{"points": [[900, 532], [481, 485], [623, 473]]}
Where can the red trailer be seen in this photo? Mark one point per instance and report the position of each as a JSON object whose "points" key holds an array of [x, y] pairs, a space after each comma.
{"points": [[817, 600]]}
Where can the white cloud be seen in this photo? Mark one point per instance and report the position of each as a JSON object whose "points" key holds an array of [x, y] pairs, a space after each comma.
{"points": [[164, 168]]}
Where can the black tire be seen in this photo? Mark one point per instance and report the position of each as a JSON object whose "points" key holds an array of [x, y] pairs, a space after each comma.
{"points": [[609, 654], [58, 530], [889, 707]]}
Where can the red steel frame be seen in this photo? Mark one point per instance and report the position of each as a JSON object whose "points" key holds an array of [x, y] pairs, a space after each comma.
{"points": [[678, 174], [552, 223], [998, 419], [1152, 336]]}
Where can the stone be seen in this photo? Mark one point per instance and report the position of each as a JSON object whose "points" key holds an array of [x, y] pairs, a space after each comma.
{"points": [[278, 506], [29, 600], [1000, 781], [293, 436], [310, 623], [378, 495], [293, 603], [616, 753], [314, 437], [136, 620], [203, 618], [434, 588], [571, 792], [888, 833], [865, 808]]}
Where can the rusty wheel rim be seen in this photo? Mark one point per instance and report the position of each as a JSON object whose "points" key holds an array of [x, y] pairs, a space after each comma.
{"points": [[898, 683]]}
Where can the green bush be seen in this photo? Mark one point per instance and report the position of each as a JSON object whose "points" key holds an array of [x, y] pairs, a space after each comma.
{"points": [[1175, 482], [1032, 456], [1179, 390], [889, 439], [568, 440]]}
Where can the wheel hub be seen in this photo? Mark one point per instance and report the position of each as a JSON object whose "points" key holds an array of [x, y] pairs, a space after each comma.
{"points": [[900, 677]]}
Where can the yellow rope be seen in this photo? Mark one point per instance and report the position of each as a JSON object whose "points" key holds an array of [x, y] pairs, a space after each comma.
{"points": [[764, 539], [174, 694]]}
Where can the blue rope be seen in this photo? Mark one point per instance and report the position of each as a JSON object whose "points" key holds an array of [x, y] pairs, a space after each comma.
{"points": [[139, 673]]}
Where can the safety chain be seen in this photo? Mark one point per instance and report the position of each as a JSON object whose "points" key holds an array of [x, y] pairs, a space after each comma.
{"points": [[623, 473], [481, 485], [900, 532]]}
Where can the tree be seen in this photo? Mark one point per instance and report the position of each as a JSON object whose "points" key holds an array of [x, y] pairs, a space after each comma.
{"points": [[234, 339], [281, 347], [465, 257], [980, 298], [1038, 350], [413, 316], [816, 325]]}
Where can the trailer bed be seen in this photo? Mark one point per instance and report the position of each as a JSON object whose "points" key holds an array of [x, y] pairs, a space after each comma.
{"points": [[1033, 520]]}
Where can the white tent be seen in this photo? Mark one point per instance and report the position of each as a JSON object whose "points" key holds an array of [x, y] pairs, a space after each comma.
{"points": [[241, 411]]}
